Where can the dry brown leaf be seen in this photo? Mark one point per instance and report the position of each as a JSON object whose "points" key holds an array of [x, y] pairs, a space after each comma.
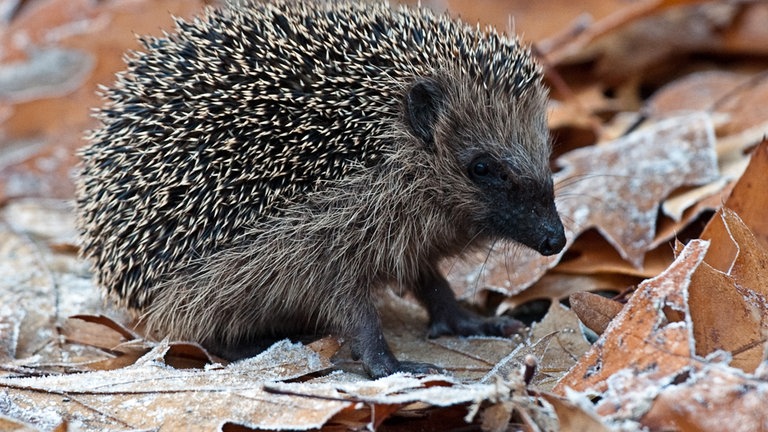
{"points": [[699, 91], [54, 55], [590, 254], [749, 35], [150, 394], [722, 319], [745, 124], [533, 20], [594, 311], [642, 338], [747, 199], [405, 328], [621, 183], [572, 417], [96, 330], [559, 286], [668, 229], [729, 309], [736, 97], [713, 398], [648, 349], [638, 36], [746, 106], [563, 350]]}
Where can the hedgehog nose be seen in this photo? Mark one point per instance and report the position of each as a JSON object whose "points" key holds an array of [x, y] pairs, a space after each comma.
{"points": [[554, 241]]}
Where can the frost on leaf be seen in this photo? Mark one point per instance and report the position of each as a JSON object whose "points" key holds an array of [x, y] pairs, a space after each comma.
{"points": [[149, 394], [648, 336]]}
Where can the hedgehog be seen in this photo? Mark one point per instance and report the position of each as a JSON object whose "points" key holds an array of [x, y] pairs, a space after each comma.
{"points": [[264, 170]]}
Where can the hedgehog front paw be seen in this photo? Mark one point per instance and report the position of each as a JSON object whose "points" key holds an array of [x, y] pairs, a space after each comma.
{"points": [[469, 324], [379, 363]]}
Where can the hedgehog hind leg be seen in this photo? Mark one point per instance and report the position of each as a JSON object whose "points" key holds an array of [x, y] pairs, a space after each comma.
{"points": [[448, 318]]}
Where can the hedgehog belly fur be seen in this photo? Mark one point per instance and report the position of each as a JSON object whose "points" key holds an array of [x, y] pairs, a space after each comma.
{"points": [[301, 273]]}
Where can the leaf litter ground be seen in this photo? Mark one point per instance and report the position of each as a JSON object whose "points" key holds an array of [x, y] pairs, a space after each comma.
{"points": [[658, 115]]}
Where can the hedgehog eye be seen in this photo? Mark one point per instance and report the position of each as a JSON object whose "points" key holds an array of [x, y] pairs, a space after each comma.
{"points": [[480, 168]]}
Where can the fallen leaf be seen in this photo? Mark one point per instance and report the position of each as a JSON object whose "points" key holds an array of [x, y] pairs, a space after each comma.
{"points": [[642, 338], [727, 323], [590, 254], [10, 328], [640, 36], [52, 57], [714, 397], [149, 394], [405, 328], [736, 322], [572, 417], [747, 199], [559, 286], [698, 91], [594, 311]]}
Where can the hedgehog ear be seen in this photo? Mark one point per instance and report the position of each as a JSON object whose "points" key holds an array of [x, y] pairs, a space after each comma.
{"points": [[423, 104]]}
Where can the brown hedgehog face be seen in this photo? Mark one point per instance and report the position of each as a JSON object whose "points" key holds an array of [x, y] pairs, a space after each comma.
{"points": [[516, 207], [497, 152]]}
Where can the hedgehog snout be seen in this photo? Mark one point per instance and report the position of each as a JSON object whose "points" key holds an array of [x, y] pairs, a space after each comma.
{"points": [[550, 229], [554, 238]]}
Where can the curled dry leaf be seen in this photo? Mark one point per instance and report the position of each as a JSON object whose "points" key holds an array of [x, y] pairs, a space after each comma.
{"points": [[736, 272], [698, 91], [729, 309], [534, 20], [591, 255], [733, 97], [126, 347], [644, 338], [644, 35], [594, 311], [748, 199]]}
